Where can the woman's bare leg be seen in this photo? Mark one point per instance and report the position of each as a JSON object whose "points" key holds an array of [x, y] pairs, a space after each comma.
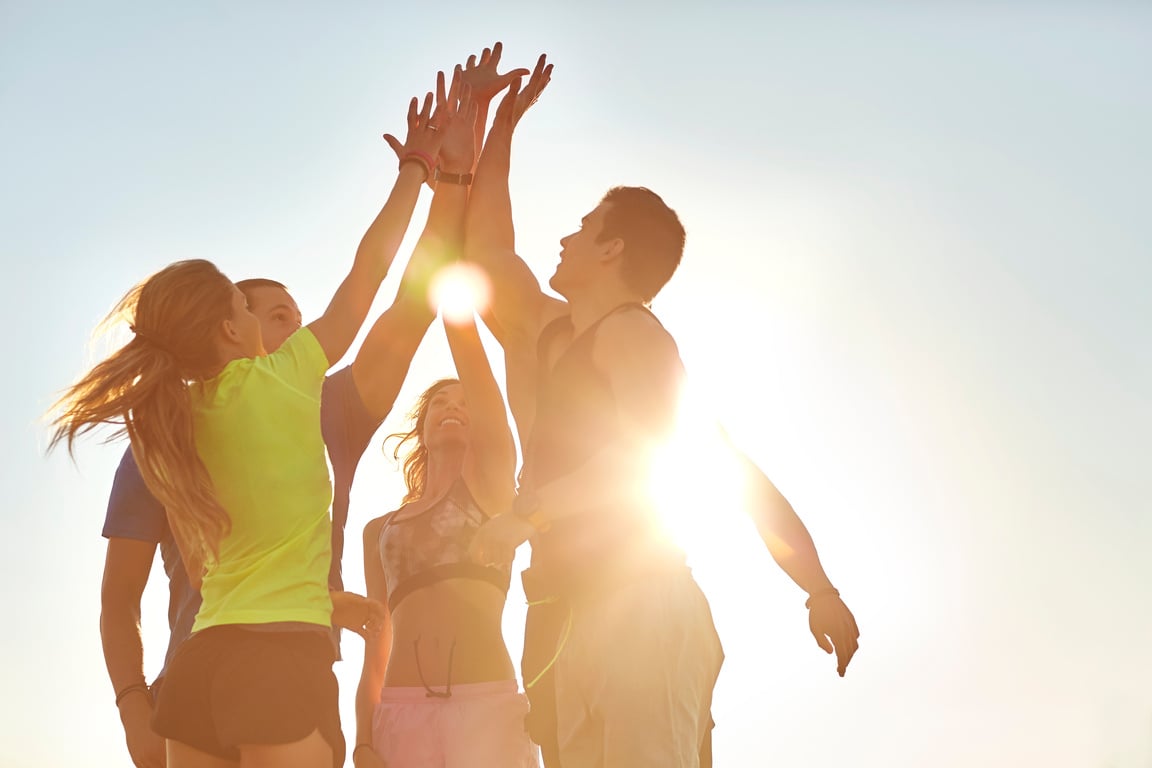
{"points": [[180, 755], [313, 751]]}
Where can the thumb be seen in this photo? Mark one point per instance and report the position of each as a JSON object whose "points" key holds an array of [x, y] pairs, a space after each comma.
{"points": [[395, 144], [502, 82], [822, 641], [506, 104]]}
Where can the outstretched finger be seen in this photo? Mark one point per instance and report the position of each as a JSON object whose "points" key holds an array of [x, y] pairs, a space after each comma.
{"points": [[497, 49], [441, 95], [426, 112], [509, 100], [412, 119], [471, 64]]}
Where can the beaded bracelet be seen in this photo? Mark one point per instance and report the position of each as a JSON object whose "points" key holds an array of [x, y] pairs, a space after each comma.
{"points": [[423, 158], [829, 592], [142, 687]]}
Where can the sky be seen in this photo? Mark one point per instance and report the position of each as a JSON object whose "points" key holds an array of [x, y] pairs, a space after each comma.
{"points": [[915, 291]]}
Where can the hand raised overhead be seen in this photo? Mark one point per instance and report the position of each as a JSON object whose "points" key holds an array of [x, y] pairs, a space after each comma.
{"points": [[424, 132], [483, 76], [517, 101], [458, 150]]}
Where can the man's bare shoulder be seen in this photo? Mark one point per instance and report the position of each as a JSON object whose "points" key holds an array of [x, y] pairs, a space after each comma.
{"points": [[634, 332]]}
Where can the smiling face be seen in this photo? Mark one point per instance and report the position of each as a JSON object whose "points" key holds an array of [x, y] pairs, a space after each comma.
{"points": [[445, 420]]}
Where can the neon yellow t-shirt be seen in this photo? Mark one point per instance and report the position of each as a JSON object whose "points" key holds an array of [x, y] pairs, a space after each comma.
{"points": [[257, 430]]}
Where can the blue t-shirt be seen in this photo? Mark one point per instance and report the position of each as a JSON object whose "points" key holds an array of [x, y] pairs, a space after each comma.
{"points": [[134, 513]]}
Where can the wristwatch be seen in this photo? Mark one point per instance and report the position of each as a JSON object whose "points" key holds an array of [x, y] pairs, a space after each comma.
{"points": [[463, 179]]}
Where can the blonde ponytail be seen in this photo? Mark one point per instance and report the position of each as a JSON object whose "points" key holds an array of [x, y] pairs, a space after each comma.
{"points": [[143, 389]]}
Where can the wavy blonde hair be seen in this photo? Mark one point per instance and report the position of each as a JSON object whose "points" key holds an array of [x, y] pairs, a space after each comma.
{"points": [[416, 459], [142, 388]]}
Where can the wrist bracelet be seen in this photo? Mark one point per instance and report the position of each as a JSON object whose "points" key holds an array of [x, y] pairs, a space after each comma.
{"points": [[142, 687], [463, 179], [829, 592], [423, 158]]}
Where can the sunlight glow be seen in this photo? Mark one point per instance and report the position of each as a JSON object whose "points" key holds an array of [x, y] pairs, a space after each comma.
{"points": [[459, 290], [697, 484]]}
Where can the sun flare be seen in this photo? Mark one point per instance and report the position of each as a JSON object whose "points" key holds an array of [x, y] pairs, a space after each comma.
{"points": [[460, 290], [696, 483]]}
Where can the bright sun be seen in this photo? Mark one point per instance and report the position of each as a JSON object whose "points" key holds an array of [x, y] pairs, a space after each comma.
{"points": [[459, 290], [697, 484]]}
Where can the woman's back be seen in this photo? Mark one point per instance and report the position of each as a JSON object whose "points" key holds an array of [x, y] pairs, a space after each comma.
{"points": [[257, 431]]}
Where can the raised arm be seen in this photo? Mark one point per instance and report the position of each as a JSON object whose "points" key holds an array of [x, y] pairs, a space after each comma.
{"points": [[490, 467], [383, 360], [518, 304], [338, 326]]}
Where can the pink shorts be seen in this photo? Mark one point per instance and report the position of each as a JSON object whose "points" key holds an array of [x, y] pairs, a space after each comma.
{"points": [[480, 726]]}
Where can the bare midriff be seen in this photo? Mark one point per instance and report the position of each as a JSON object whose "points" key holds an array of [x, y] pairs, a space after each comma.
{"points": [[454, 619]]}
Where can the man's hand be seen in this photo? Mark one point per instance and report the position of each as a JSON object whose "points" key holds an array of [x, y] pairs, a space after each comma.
{"points": [[483, 77], [458, 149], [517, 101], [496, 541], [144, 745], [355, 612], [834, 628]]}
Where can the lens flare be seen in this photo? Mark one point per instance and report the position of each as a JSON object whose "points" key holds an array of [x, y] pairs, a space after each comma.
{"points": [[696, 483], [460, 290]]}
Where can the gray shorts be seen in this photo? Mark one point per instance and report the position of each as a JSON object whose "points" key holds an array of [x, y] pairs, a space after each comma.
{"points": [[635, 677]]}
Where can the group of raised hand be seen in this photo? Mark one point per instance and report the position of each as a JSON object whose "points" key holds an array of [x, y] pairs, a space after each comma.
{"points": [[446, 128]]}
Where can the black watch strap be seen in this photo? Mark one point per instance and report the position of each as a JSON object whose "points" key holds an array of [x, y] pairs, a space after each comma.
{"points": [[463, 179]]}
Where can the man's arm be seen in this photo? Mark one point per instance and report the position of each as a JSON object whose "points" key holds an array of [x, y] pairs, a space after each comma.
{"points": [[341, 321], [791, 546], [126, 568], [518, 304], [383, 361]]}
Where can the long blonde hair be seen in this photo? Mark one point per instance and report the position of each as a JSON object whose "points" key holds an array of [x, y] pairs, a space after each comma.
{"points": [[142, 387], [416, 459]]}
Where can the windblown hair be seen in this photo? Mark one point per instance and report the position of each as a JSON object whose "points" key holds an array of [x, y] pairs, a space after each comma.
{"points": [[416, 459], [143, 388], [653, 237]]}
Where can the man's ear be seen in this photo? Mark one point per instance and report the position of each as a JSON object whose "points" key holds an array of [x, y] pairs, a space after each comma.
{"points": [[612, 249]]}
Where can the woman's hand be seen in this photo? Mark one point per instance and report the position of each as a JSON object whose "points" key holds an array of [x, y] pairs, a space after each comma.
{"points": [[357, 613], [424, 132]]}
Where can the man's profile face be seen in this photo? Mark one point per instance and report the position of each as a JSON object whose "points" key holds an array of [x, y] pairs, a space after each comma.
{"points": [[581, 253], [277, 312]]}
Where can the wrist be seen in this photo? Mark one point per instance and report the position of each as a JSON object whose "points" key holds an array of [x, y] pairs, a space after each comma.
{"points": [[419, 159], [822, 593], [360, 746], [446, 176]]}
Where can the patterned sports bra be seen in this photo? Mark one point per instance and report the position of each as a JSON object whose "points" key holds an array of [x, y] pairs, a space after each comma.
{"points": [[432, 545]]}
